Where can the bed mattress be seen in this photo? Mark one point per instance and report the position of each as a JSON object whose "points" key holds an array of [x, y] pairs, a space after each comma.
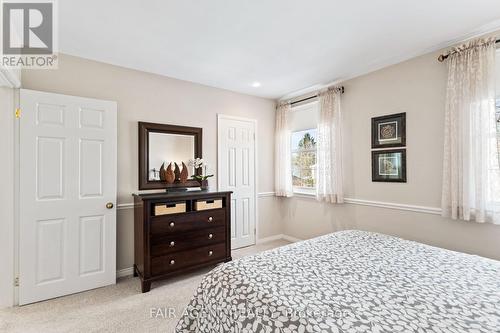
{"points": [[349, 281]]}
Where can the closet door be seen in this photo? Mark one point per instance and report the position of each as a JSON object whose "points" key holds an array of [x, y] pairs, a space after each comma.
{"points": [[236, 172], [67, 195]]}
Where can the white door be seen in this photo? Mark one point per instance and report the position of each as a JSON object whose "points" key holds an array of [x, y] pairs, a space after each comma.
{"points": [[67, 235], [236, 172]]}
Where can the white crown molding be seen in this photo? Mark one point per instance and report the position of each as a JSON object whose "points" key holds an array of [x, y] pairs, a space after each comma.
{"points": [[482, 30]]}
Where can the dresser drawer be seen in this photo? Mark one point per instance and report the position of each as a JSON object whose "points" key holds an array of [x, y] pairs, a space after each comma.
{"points": [[178, 260], [171, 243], [170, 208], [187, 222], [207, 204]]}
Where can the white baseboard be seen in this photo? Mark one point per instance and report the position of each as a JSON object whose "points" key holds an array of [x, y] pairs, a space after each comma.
{"points": [[291, 239], [125, 272], [278, 237], [269, 239]]}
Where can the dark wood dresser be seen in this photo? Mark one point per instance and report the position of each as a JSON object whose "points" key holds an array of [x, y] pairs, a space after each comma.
{"points": [[179, 232]]}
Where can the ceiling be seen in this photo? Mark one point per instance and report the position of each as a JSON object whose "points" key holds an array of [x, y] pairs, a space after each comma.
{"points": [[285, 45]]}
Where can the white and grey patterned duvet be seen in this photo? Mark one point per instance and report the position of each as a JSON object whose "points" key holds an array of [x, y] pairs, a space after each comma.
{"points": [[349, 281]]}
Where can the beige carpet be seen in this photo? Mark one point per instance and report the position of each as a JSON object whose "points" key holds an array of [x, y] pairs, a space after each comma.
{"points": [[118, 308]]}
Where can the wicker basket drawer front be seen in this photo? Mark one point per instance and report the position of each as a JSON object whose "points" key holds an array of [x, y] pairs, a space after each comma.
{"points": [[170, 208], [207, 204]]}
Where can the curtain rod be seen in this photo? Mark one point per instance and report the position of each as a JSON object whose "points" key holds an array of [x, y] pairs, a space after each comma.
{"points": [[314, 96], [443, 57]]}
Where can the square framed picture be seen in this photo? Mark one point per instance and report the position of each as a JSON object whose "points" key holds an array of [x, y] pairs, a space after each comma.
{"points": [[389, 131], [389, 165]]}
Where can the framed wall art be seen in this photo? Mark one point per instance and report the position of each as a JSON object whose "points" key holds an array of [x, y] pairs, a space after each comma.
{"points": [[389, 131], [389, 165]]}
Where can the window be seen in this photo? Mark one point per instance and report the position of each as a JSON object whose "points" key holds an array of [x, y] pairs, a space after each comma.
{"points": [[304, 160], [303, 123]]}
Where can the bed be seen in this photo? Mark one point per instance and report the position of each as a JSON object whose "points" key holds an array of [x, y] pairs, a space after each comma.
{"points": [[349, 281]]}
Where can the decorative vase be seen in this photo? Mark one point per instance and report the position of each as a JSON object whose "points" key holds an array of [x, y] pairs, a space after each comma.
{"points": [[162, 172], [184, 173], [169, 174], [204, 184], [177, 171]]}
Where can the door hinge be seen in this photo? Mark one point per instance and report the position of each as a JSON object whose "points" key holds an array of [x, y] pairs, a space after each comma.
{"points": [[18, 113], [16, 282]]}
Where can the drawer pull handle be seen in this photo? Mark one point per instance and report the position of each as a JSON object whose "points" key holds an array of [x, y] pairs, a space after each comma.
{"points": [[210, 219], [210, 253], [172, 262], [210, 236], [172, 244], [172, 224]]}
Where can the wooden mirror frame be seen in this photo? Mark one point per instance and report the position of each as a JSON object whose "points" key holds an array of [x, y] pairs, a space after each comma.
{"points": [[144, 130]]}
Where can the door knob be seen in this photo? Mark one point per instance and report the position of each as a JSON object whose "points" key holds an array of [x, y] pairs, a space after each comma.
{"points": [[109, 205]]}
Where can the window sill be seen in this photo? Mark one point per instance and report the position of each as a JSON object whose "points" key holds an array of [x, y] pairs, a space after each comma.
{"points": [[304, 194]]}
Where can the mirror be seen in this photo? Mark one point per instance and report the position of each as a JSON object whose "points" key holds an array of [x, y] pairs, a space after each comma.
{"points": [[161, 143], [166, 148]]}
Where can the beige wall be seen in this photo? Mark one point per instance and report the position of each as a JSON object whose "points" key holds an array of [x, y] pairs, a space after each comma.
{"points": [[149, 97], [417, 87]]}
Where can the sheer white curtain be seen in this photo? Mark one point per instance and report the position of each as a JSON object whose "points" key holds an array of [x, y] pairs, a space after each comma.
{"points": [[471, 178], [282, 160], [329, 148]]}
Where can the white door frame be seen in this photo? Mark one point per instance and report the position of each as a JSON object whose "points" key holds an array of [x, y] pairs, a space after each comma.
{"points": [[9, 176], [256, 162]]}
